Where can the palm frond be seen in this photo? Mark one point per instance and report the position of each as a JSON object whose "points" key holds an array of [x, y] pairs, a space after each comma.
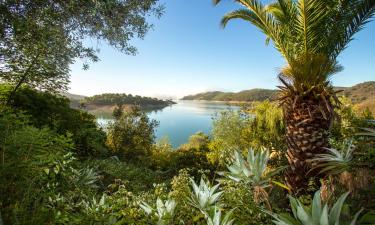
{"points": [[310, 34], [311, 15], [352, 15]]}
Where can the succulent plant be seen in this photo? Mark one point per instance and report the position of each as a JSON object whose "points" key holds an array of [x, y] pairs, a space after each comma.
{"points": [[367, 131], [204, 197], [334, 161], [315, 214], [215, 217], [164, 211], [254, 171]]}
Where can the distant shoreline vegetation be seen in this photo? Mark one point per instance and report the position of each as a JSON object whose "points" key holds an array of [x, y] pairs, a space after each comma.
{"points": [[242, 96], [106, 102]]}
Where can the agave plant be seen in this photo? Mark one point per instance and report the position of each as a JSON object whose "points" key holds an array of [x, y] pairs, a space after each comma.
{"points": [[253, 171], [334, 161], [164, 211], [215, 217], [204, 197], [315, 214], [368, 131]]}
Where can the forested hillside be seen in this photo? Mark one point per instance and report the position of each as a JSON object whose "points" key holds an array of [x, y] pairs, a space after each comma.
{"points": [[243, 96], [124, 99]]}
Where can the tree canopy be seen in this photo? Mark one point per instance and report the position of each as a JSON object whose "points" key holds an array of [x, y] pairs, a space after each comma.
{"points": [[40, 39]]}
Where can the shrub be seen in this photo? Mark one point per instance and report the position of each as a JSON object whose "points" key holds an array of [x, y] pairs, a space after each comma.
{"points": [[49, 110]]}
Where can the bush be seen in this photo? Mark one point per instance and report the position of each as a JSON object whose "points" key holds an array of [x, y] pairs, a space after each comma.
{"points": [[259, 126], [52, 111]]}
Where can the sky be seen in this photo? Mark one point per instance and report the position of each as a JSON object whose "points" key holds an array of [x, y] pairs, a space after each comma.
{"points": [[188, 52]]}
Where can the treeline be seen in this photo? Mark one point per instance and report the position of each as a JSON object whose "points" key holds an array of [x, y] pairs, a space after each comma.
{"points": [[243, 96], [124, 99]]}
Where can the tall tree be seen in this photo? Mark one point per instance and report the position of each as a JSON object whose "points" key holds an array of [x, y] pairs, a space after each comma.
{"points": [[310, 35], [40, 39]]}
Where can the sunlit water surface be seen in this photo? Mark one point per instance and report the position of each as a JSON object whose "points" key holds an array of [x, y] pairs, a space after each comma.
{"points": [[178, 122]]}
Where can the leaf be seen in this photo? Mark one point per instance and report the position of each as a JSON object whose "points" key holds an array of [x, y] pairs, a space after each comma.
{"points": [[334, 216], [281, 185]]}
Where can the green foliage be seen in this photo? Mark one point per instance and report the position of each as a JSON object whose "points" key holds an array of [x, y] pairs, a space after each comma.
{"points": [[240, 196], [267, 126], [164, 211], [334, 161], [137, 178], [205, 197], [48, 185], [306, 35], [198, 140], [349, 126], [259, 126], [215, 218], [52, 111], [37, 165], [253, 170], [132, 135], [316, 214], [229, 133], [124, 99], [39, 39]]}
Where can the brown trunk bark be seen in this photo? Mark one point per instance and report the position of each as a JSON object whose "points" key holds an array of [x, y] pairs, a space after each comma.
{"points": [[308, 123]]}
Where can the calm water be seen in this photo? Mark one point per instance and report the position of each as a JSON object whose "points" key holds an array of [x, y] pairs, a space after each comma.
{"points": [[183, 119]]}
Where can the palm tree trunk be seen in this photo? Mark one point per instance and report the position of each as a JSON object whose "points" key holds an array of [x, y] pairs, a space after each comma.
{"points": [[308, 123]]}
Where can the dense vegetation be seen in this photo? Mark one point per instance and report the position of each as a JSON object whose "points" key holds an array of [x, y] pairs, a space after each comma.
{"points": [[124, 99], [41, 39], [58, 167]]}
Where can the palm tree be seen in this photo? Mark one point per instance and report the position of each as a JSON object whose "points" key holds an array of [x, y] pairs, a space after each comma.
{"points": [[310, 35]]}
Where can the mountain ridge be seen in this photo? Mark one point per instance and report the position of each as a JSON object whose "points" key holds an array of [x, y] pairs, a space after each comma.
{"points": [[362, 95]]}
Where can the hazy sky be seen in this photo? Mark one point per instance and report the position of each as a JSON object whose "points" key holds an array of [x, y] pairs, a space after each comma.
{"points": [[188, 52]]}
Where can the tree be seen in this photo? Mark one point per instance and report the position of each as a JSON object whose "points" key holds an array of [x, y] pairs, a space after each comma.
{"points": [[310, 35], [132, 135], [40, 39]]}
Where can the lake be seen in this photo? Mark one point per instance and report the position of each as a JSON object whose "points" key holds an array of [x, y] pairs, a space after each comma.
{"points": [[178, 122]]}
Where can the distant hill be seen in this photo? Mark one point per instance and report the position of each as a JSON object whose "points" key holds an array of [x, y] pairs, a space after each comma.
{"points": [[75, 100], [242, 96], [360, 92], [73, 96], [362, 95]]}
